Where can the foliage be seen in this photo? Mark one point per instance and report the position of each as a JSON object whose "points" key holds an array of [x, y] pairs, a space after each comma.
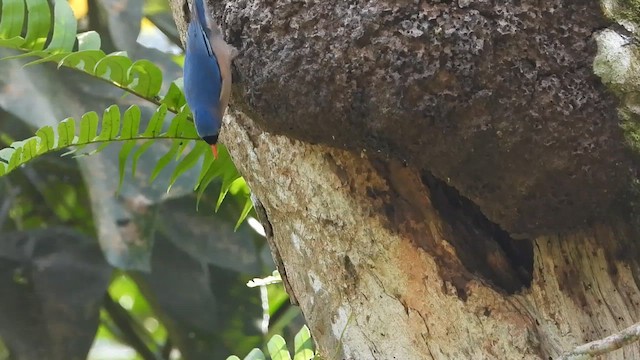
{"points": [[174, 277], [277, 348], [141, 78]]}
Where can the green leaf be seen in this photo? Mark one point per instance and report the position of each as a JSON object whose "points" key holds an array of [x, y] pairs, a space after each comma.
{"points": [[66, 132], [177, 124], [165, 159], [16, 158], [130, 123], [154, 128], [38, 24], [255, 354], [88, 127], [136, 155], [227, 180], [13, 43], [174, 98], [29, 149], [48, 139], [207, 162], [278, 348], [64, 28], [303, 345], [248, 205], [123, 155], [213, 171], [110, 123], [188, 161], [232, 357], [145, 78], [83, 60], [6, 153], [114, 67], [89, 40], [12, 19]]}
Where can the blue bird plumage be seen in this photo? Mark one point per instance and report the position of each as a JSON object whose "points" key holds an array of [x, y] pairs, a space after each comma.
{"points": [[207, 73]]}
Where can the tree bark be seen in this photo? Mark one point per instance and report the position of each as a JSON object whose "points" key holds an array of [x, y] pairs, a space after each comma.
{"points": [[441, 180]]}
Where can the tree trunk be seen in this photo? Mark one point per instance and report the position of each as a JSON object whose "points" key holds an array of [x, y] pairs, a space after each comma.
{"points": [[442, 180]]}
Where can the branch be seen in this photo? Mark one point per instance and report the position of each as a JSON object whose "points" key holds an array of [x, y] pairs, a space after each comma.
{"points": [[606, 345]]}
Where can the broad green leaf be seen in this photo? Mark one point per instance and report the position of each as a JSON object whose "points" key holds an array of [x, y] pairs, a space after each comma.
{"points": [[30, 149], [6, 153], [177, 123], [83, 60], [64, 28], [47, 137], [88, 127], [278, 348], [16, 158], [110, 123], [303, 345], [255, 354], [66, 132], [38, 24], [130, 123], [89, 40], [12, 19], [188, 128], [145, 78], [114, 67], [239, 187], [232, 357], [174, 98], [154, 128]]}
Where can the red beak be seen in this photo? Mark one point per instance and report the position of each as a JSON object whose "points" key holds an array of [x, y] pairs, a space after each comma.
{"points": [[214, 149]]}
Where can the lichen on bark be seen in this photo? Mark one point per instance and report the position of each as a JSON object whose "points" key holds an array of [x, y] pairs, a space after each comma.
{"points": [[497, 100]]}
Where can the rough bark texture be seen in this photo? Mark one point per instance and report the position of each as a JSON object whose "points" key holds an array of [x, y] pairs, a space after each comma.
{"points": [[399, 147], [498, 99], [374, 286]]}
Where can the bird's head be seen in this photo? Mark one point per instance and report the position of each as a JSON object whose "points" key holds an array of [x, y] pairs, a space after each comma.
{"points": [[208, 123]]}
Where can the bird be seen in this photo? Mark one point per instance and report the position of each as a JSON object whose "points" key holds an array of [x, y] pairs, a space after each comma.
{"points": [[207, 73]]}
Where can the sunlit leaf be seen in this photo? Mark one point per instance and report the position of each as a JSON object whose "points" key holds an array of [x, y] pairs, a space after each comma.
{"points": [[114, 67], [64, 28], [12, 19], [278, 348], [145, 78], [303, 345], [38, 24]]}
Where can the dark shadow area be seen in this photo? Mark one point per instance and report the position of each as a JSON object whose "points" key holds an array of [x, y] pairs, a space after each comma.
{"points": [[483, 247]]}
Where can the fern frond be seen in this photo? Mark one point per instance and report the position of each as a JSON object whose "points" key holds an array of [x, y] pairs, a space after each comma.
{"points": [[113, 128], [28, 26], [277, 348], [141, 78]]}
